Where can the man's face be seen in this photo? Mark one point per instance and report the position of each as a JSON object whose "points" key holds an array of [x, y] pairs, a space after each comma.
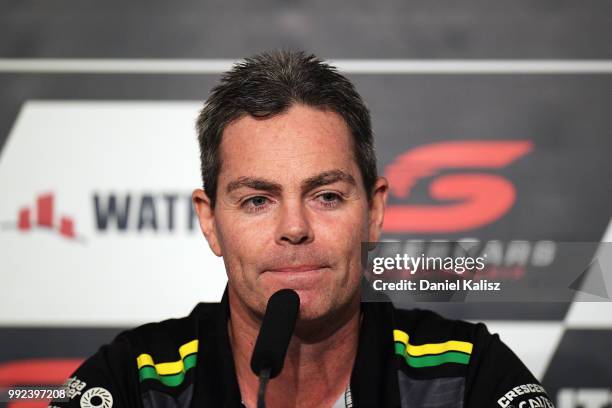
{"points": [[291, 210]]}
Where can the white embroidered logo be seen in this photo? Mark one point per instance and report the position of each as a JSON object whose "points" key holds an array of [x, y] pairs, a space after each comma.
{"points": [[97, 397]]}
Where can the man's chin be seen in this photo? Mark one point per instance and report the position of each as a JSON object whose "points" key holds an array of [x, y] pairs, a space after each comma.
{"points": [[318, 320]]}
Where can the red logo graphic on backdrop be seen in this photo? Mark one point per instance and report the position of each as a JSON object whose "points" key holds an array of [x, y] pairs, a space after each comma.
{"points": [[467, 200], [42, 216]]}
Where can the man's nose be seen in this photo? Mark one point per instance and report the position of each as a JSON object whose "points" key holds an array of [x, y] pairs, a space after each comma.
{"points": [[293, 226]]}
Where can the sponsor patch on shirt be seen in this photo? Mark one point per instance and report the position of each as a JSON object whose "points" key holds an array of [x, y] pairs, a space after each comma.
{"points": [[521, 397]]}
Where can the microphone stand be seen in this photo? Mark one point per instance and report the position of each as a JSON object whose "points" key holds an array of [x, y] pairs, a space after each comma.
{"points": [[264, 377]]}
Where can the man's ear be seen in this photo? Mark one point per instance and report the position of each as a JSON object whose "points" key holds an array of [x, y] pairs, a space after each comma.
{"points": [[377, 208], [206, 216]]}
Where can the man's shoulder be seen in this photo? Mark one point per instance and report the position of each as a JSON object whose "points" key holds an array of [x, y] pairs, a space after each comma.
{"points": [[164, 340], [435, 346], [143, 364], [447, 351]]}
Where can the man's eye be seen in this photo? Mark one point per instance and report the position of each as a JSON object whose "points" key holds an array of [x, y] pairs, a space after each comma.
{"points": [[258, 201], [329, 200], [255, 204]]}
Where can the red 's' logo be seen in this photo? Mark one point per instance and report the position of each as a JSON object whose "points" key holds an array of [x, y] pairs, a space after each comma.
{"points": [[477, 198]]}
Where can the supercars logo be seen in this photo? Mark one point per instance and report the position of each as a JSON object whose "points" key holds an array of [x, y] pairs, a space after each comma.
{"points": [[468, 200], [43, 217]]}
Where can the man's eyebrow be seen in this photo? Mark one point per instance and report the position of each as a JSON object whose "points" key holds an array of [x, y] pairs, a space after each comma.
{"points": [[321, 179], [254, 183], [327, 177]]}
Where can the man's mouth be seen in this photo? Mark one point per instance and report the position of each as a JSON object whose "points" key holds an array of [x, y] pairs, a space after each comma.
{"points": [[298, 268]]}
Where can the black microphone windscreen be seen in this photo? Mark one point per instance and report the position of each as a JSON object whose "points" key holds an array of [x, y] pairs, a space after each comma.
{"points": [[275, 332]]}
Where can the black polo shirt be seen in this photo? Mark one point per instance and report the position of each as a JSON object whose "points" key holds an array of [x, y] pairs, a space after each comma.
{"points": [[405, 358]]}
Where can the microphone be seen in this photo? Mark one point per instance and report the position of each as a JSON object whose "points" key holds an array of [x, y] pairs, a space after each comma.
{"points": [[273, 340]]}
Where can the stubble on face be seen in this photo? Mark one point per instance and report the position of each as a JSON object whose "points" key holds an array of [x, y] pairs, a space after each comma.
{"points": [[292, 211]]}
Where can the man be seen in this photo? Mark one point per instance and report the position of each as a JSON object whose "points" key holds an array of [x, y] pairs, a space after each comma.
{"points": [[290, 193]]}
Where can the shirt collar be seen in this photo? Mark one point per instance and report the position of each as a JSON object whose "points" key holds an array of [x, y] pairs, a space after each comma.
{"points": [[373, 378], [216, 382]]}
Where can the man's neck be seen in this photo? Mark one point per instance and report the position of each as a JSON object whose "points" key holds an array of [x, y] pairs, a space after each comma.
{"points": [[317, 367]]}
